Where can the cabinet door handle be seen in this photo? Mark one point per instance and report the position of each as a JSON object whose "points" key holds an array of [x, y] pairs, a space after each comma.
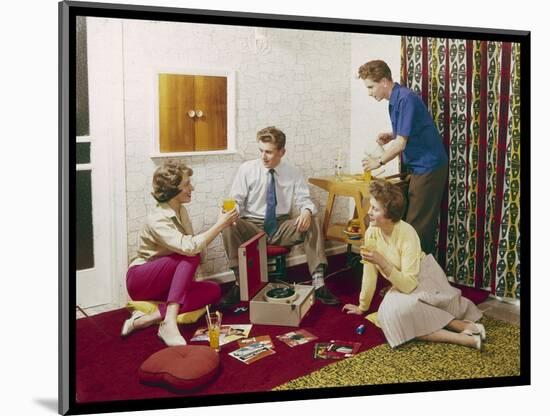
{"points": [[191, 113], [199, 113]]}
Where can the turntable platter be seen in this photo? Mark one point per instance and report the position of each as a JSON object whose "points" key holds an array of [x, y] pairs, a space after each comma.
{"points": [[280, 295]]}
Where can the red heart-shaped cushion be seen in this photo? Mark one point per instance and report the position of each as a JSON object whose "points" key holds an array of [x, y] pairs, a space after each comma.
{"points": [[183, 368]]}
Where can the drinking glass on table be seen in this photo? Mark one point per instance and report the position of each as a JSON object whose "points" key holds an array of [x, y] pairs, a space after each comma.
{"points": [[367, 175]]}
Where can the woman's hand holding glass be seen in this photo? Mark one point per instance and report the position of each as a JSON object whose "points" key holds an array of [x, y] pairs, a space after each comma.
{"points": [[367, 250], [226, 218]]}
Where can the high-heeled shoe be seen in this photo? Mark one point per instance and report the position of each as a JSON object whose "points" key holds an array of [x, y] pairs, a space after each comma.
{"points": [[128, 327], [480, 330], [170, 340]]}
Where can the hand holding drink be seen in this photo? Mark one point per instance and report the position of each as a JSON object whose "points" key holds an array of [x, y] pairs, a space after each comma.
{"points": [[373, 153], [229, 204], [368, 246]]}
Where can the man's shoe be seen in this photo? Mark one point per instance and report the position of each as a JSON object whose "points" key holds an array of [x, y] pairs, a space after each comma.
{"points": [[326, 297], [231, 297]]}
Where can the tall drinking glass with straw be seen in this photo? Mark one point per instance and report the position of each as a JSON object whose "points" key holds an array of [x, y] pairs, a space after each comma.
{"points": [[214, 321]]}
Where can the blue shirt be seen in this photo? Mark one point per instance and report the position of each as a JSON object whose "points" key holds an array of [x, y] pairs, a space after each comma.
{"points": [[424, 151]]}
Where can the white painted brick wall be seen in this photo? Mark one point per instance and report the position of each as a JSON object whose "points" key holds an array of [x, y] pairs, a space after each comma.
{"points": [[301, 86]]}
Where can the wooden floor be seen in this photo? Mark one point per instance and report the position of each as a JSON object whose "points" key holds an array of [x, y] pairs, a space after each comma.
{"points": [[501, 310]]}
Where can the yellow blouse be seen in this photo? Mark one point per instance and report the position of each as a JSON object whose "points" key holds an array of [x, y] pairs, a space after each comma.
{"points": [[403, 251], [166, 232]]}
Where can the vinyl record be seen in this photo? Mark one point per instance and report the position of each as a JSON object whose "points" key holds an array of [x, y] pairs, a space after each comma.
{"points": [[281, 294]]}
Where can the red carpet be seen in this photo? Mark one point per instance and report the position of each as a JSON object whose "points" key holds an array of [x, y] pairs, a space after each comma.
{"points": [[107, 366]]}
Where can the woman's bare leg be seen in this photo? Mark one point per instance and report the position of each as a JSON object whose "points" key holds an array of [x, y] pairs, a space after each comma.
{"points": [[170, 323], [458, 325], [147, 320], [450, 337]]}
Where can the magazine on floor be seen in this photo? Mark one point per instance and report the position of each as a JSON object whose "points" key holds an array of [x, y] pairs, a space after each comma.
{"points": [[253, 352], [298, 337], [335, 350], [263, 339], [342, 349], [228, 333], [320, 350]]}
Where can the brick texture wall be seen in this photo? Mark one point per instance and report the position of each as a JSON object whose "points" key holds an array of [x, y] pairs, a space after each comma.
{"points": [[302, 86]]}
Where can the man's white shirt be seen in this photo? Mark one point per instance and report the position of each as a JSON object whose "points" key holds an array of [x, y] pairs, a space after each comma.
{"points": [[250, 187]]}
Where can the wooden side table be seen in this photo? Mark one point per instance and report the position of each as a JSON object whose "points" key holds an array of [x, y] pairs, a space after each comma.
{"points": [[355, 187], [348, 186]]}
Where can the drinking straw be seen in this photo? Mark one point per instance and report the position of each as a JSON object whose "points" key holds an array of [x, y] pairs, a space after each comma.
{"points": [[208, 317]]}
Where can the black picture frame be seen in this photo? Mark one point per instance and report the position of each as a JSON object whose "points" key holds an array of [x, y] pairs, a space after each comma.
{"points": [[68, 11]]}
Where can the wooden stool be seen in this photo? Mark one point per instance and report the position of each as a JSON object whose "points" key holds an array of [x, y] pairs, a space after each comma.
{"points": [[276, 262]]}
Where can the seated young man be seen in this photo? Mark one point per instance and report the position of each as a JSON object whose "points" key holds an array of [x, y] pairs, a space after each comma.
{"points": [[264, 190]]}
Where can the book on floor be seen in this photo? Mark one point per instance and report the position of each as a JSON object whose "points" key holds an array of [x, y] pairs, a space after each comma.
{"points": [[298, 337], [228, 333]]}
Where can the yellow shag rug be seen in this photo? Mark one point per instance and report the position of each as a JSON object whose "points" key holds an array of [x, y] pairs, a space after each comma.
{"points": [[423, 361]]}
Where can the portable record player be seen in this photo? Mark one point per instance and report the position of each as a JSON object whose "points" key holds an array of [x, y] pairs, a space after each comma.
{"points": [[270, 303]]}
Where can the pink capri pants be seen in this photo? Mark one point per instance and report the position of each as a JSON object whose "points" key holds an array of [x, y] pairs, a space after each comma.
{"points": [[169, 279]]}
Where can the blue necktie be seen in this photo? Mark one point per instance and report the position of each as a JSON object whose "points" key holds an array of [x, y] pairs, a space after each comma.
{"points": [[270, 220]]}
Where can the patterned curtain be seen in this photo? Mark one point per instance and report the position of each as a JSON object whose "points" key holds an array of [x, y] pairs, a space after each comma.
{"points": [[472, 91]]}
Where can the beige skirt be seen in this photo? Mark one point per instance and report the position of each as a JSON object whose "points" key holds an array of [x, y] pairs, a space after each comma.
{"points": [[431, 306]]}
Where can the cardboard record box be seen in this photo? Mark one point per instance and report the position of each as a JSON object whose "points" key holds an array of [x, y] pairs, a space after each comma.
{"points": [[270, 303]]}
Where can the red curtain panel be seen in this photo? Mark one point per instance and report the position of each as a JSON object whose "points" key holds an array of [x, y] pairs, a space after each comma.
{"points": [[472, 91]]}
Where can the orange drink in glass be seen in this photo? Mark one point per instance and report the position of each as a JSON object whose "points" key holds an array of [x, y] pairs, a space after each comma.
{"points": [[229, 204], [368, 245], [367, 175], [214, 327]]}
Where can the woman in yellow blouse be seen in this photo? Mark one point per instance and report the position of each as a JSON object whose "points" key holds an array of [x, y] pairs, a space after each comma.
{"points": [[168, 256], [420, 303]]}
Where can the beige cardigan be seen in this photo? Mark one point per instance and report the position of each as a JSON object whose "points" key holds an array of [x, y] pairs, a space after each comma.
{"points": [[166, 232]]}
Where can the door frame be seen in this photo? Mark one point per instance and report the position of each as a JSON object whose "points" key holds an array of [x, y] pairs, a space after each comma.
{"points": [[106, 95]]}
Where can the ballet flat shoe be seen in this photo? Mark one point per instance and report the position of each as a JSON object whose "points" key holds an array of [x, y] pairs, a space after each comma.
{"points": [[480, 330], [128, 326], [170, 341], [477, 338]]}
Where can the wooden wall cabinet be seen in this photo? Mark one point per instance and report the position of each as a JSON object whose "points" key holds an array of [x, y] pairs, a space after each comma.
{"points": [[195, 113]]}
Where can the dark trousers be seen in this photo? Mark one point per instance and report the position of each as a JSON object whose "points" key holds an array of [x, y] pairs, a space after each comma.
{"points": [[424, 200]]}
